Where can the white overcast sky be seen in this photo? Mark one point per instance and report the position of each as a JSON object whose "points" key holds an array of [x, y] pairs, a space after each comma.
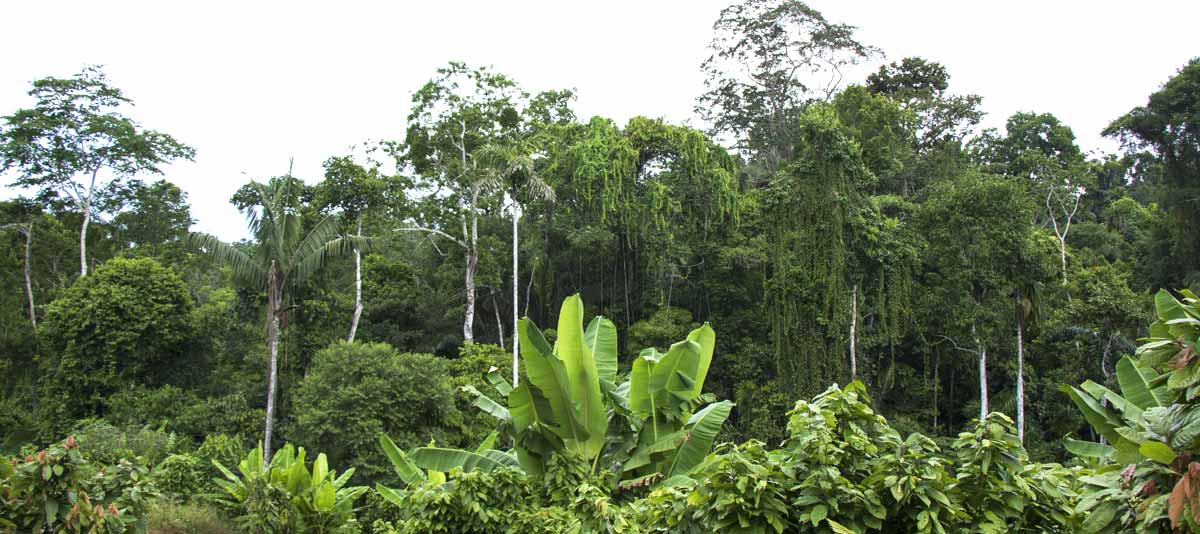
{"points": [[250, 84]]}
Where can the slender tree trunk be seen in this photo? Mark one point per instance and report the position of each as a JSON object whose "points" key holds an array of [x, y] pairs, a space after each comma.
{"points": [[358, 306], [87, 219], [853, 327], [516, 345], [273, 343], [983, 381], [499, 321], [1020, 373], [28, 283], [468, 330]]}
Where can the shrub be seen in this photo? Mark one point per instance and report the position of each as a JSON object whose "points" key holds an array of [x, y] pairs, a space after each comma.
{"points": [[353, 392], [124, 324], [57, 490], [104, 443], [180, 476]]}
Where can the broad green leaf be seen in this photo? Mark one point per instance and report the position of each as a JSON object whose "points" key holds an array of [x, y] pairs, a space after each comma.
{"points": [[703, 428], [1088, 449], [489, 406], [583, 378], [1158, 451], [1167, 307], [601, 339], [320, 469], [1134, 386], [1095, 413], [404, 466], [443, 460], [390, 495], [549, 376], [706, 339], [499, 382]]}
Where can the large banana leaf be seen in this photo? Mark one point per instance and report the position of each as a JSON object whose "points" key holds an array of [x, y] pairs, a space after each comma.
{"points": [[548, 374], [1088, 449], [601, 339], [1095, 413], [583, 379], [1134, 386], [703, 427], [441, 459], [485, 403], [706, 338], [404, 466], [531, 413]]}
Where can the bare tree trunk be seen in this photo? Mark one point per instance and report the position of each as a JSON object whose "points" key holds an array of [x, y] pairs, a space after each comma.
{"points": [[853, 327], [983, 382], [273, 343], [1020, 373], [87, 219], [468, 330], [358, 306], [516, 346], [28, 283], [499, 321]]}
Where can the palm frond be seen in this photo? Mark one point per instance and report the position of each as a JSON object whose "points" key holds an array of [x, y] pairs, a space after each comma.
{"points": [[312, 262], [244, 267]]}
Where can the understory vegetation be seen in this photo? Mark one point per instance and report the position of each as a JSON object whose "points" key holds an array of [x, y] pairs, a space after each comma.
{"points": [[836, 308]]}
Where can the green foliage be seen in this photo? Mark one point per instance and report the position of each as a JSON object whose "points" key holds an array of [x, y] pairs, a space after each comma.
{"points": [[125, 324], [353, 392], [287, 496], [56, 490], [104, 443], [169, 518], [1147, 480]]}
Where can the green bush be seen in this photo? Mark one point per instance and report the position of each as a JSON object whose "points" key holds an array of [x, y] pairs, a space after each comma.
{"points": [[180, 476], [353, 392], [104, 443], [56, 490], [124, 324]]}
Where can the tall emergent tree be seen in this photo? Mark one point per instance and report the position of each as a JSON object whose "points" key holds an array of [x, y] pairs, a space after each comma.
{"points": [[452, 116], [283, 258], [768, 58], [71, 136]]}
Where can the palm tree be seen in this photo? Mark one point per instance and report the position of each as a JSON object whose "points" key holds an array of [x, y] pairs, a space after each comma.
{"points": [[511, 167], [283, 258]]}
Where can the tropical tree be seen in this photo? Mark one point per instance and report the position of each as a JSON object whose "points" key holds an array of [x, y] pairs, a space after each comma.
{"points": [[768, 58], [511, 168], [75, 131], [356, 191], [452, 116], [284, 257]]}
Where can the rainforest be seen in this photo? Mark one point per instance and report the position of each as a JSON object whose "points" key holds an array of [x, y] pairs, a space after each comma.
{"points": [[832, 305]]}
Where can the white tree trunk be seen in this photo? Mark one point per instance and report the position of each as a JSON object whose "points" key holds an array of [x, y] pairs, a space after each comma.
{"points": [[358, 306], [472, 262], [983, 381], [87, 219], [853, 327], [1020, 376], [516, 345], [28, 282], [273, 343]]}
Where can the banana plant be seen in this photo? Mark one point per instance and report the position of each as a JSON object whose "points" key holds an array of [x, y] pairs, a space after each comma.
{"points": [[314, 501], [655, 424], [1152, 429]]}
